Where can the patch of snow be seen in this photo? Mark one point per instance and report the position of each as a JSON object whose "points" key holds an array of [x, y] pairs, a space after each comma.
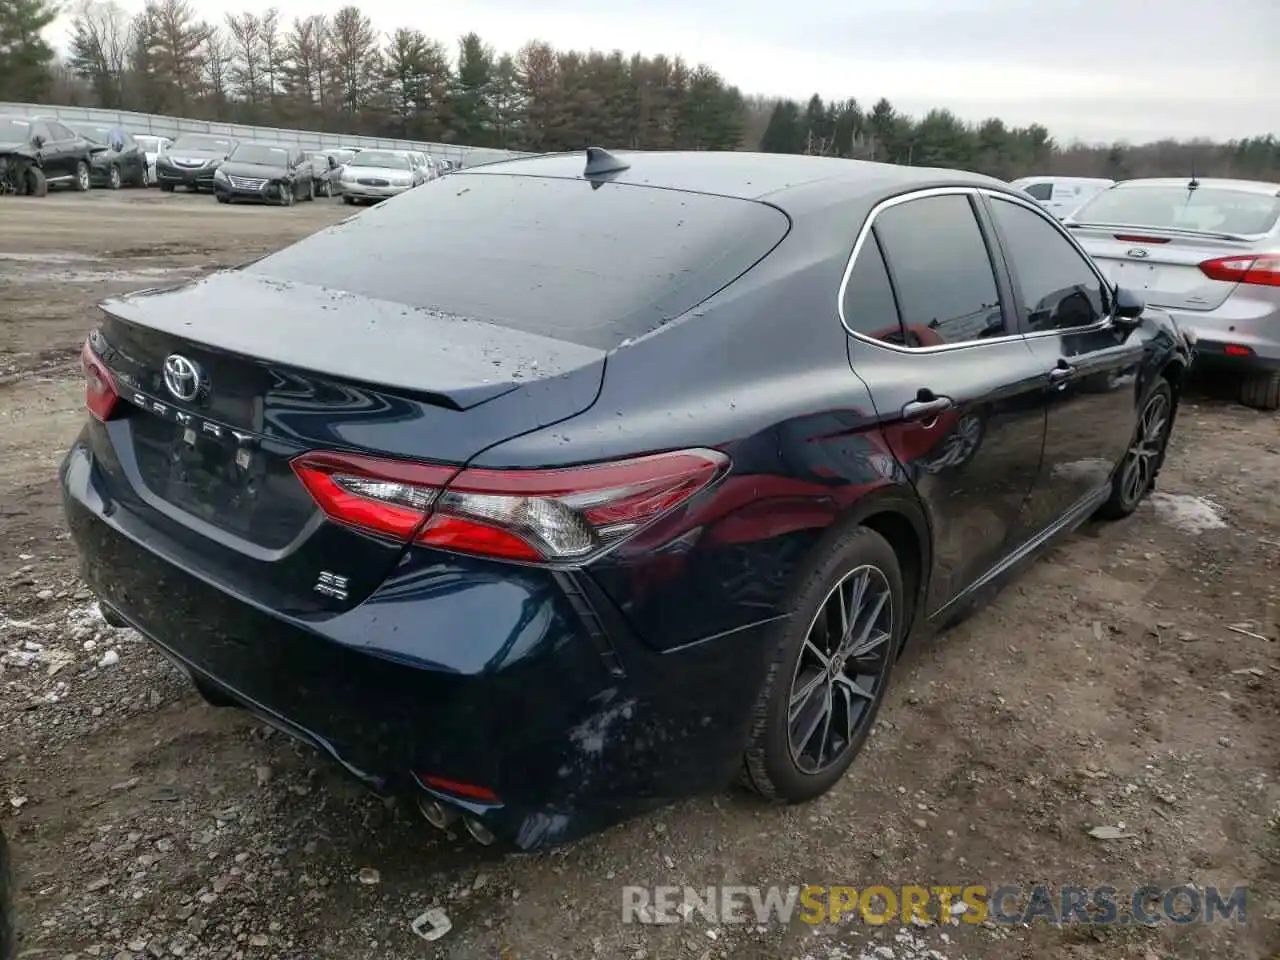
{"points": [[907, 944], [1193, 515]]}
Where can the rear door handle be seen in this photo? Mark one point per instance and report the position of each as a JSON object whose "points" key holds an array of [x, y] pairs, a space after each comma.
{"points": [[1061, 373], [923, 409]]}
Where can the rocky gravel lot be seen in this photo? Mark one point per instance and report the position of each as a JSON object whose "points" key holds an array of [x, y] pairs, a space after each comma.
{"points": [[1130, 680]]}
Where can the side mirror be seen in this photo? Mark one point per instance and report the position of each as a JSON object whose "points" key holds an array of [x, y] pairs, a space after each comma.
{"points": [[1128, 306]]}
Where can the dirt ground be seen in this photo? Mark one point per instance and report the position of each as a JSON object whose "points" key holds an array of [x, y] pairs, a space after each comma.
{"points": [[1131, 677]]}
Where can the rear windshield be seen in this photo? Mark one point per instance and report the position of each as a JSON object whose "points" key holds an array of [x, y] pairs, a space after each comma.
{"points": [[1205, 209], [559, 258]]}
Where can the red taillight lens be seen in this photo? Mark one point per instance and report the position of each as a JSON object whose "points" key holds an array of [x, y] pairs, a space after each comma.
{"points": [[1262, 269], [1140, 238], [100, 394], [562, 515]]}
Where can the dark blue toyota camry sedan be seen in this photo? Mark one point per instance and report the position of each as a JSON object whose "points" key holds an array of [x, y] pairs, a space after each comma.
{"points": [[583, 482]]}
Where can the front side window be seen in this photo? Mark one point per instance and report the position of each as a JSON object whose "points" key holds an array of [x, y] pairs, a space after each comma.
{"points": [[941, 271], [1055, 286]]}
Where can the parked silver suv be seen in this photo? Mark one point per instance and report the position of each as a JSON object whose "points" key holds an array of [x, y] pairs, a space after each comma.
{"points": [[1208, 252]]}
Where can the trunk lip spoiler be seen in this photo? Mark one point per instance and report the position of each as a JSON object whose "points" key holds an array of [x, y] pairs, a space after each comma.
{"points": [[1172, 232]]}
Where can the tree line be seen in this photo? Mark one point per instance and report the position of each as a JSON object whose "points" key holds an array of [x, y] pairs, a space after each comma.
{"points": [[338, 74]]}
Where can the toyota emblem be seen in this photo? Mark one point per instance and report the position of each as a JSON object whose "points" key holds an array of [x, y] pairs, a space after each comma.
{"points": [[182, 377]]}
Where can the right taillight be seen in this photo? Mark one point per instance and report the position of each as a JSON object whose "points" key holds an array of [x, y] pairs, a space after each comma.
{"points": [[100, 394], [1262, 269], [563, 515]]}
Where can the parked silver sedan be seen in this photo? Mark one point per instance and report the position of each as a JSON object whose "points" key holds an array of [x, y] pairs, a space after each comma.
{"points": [[373, 175], [1208, 252]]}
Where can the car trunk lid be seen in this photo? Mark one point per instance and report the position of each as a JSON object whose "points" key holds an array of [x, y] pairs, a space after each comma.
{"points": [[1162, 265], [227, 379]]}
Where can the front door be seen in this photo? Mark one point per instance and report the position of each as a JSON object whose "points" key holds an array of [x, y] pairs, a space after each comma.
{"points": [[1091, 366], [958, 393]]}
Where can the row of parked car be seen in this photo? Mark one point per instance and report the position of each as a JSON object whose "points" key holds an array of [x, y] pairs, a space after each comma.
{"points": [[1207, 249], [39, 152]]}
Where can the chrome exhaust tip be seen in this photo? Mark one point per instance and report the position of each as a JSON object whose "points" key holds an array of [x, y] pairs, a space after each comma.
{"points": [[436, 813], [479, 832]]}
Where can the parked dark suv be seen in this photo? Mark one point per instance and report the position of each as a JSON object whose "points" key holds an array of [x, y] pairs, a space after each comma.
{"points": [[580, 486], [62, 155]]}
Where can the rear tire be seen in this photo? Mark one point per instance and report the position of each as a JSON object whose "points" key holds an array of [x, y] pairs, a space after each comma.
{"points": [[1261, 390], [1135, 475], [802, 687]]}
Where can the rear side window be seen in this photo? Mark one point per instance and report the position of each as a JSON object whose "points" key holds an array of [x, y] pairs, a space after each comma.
{"points": [[592, 264], [1041, 191], [1204, 209], [941, 271], [1057, 288], [869, 306]]}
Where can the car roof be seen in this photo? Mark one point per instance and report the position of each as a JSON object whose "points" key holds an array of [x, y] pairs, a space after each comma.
{"points": [[785, 180], [1227, 183]]}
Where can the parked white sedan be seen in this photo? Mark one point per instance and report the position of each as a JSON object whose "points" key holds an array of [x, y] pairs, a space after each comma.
{"points": [[373, 175], [152, 147]]}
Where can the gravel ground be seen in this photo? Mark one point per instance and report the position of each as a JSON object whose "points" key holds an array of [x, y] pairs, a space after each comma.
{"points": [[1130, 679]]}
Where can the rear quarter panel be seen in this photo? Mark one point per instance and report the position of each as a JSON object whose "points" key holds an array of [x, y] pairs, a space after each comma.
{"points": [[761, 372]]}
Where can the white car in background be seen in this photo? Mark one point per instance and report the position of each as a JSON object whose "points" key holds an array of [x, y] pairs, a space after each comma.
{"points": [[373, 175], [152, 147], [1062, 196]]}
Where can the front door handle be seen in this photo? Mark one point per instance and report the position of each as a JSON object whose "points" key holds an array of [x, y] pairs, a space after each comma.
{"points": [[925, 407], [1061, 373]]}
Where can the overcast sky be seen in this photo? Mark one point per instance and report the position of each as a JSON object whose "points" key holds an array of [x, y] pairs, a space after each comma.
{"points": [[1088, 69]]}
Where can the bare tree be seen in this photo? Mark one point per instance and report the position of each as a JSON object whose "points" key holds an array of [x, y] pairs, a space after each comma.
{"points": [[216, 56], [272, 54], [245, 72], [101, 39]]}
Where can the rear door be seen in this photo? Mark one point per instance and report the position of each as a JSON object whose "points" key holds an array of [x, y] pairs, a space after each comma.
{"points": [[957, 390], [1090, 366]]}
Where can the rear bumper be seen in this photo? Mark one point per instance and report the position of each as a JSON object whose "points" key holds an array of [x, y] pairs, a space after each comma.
{"points": [[1243, 332], [520, 681]]}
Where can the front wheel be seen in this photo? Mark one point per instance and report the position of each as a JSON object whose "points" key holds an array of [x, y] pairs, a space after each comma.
{"points": [[113, 177], [830, 669], [1136, 474], [311, 189], [81, 181], [37, 185]]}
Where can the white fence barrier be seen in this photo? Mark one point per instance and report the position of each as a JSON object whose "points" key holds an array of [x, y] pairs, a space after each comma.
{"points": [[151, 123]]}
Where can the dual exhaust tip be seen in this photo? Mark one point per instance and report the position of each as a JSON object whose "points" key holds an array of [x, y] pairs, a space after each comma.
{"points": [[442, 817]]}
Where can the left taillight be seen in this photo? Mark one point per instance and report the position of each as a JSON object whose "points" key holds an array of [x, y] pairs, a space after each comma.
{"points": [[100, 393], [564, 515]]}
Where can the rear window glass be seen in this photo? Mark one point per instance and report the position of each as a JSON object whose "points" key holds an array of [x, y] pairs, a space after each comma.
{"points": [[589, 264], [1205, 209]]}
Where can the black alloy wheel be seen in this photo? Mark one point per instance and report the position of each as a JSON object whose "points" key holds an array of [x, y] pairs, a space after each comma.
{"points": [[831, 669], [1136, 475]]}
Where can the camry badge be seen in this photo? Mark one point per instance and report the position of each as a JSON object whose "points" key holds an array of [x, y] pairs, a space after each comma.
{"points": [[182, 377]]}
